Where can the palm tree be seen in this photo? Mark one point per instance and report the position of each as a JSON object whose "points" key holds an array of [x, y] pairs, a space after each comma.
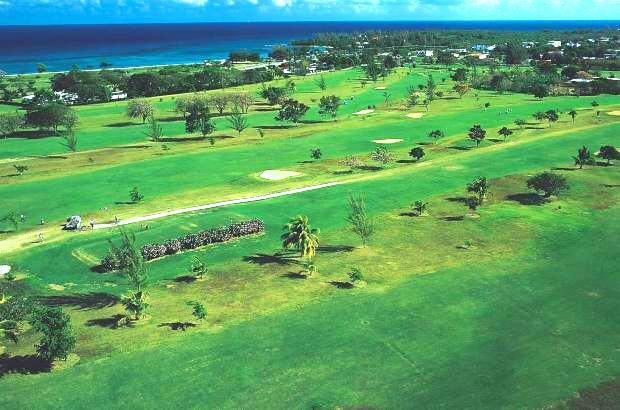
{"points": [[583, 157], [572, 114], [300, 235]]}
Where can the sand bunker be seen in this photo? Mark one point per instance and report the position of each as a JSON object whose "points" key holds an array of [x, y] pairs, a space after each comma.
{"points": [[4, 269], [277, 175], [388, 141], [616, 113], [415, 115], [363, 112], [54, 286], [379, 88]]}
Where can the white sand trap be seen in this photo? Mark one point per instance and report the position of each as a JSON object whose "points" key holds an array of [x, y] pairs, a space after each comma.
{"points": [[278, 175], [616, 113], [379, 88], [415, 115], [54, 286], [388, 141], [364, 112], [4, 269]]}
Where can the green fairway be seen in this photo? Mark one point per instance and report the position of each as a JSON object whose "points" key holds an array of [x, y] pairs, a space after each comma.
{"points": [[510, 305]]}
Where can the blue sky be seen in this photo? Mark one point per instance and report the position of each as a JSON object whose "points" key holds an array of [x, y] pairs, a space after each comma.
{"points": [[119, 11]]}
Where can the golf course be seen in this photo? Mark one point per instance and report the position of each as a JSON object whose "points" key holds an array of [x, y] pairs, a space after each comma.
{"points": [[417, 289]]}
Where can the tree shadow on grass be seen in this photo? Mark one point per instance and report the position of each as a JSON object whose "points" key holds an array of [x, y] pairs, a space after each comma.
{"points": [[294, 275], [424, 143], [456, 218], [371, 168], [82, 301], [495, 140], [28, 364], [185, 279], [111, 322], [275, 127], [342, 172], [335, 248], [178, 325], [563, 169], [459, 148], [33, 134], [340, 284], [527, 198], [278, 258], [120, 124], [458, 199]]}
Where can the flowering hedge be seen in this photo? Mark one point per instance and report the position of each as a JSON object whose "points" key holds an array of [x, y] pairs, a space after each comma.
{"points": [[220, 234]]}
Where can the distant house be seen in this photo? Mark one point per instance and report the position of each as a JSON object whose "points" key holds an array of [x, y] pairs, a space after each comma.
{"points": [[479, 56], [528, 44], [554, 43], [118, 95], [484, 48]]}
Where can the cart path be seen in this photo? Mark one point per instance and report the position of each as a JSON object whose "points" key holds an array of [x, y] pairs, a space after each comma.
{"points": [[257, 198]]}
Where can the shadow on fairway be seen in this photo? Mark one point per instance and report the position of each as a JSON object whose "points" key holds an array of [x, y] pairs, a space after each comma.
{"points": [[28, 364], [459, 148], [335, 248], [563, 169], [185, 279], [111, 322], [340, 284], [459, 199], [527, 198], [294, 275], [264, 259], [81, 301], [453, 218], [178, 325], [121, 124]]}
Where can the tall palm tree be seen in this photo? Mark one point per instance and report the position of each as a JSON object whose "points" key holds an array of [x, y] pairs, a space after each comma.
{"points": [[298, 234], [573, 114]]}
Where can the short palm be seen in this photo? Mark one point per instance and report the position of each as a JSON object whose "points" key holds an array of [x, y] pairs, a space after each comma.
{"points": [[299, 235]]}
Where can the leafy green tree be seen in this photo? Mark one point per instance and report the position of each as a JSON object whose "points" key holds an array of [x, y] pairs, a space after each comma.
{"points": [[583, 157], [382, 155], [320, 81], [539, 116], [292, 111], [436, 134], [70, 141], [355, 275], [48, 116], [20, 169], [274, 95], [552, 116], [431, 88], [135, 303], [198, 310], [139, 108], [154, 132], [198, 268], [520, 123], [237, 121], [572, 114], [609, 153], [460, 75], [462, 88], [412, 98], [328, 106], [220, 102], [417, 153], [298, 234], [540, 91], [480, 187], [505, 132], [315, 153], [135, 195], [372, 70], [12, 219], [14, 312], [420, 208], [548, 183], [10, 122], [58, 338], [360, 222], [477, 134]]}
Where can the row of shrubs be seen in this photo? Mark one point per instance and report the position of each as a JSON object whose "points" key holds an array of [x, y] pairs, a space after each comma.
{"points": [[150, 251]]}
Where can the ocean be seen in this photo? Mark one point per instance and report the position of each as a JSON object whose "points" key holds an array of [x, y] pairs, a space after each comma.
{"points": [[132, 45]]}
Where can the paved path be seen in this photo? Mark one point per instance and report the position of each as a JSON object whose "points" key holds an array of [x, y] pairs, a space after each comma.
{"points": [[214, 205]]}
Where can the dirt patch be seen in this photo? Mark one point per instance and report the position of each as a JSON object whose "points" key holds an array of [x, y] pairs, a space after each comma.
{"points": [[278, 175], [364, 112], [54, 286], [615, 113], [379, 88], [388, 141]]}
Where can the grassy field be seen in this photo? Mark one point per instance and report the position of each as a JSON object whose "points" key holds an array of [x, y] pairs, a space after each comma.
{"points": [[522, 317]]}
